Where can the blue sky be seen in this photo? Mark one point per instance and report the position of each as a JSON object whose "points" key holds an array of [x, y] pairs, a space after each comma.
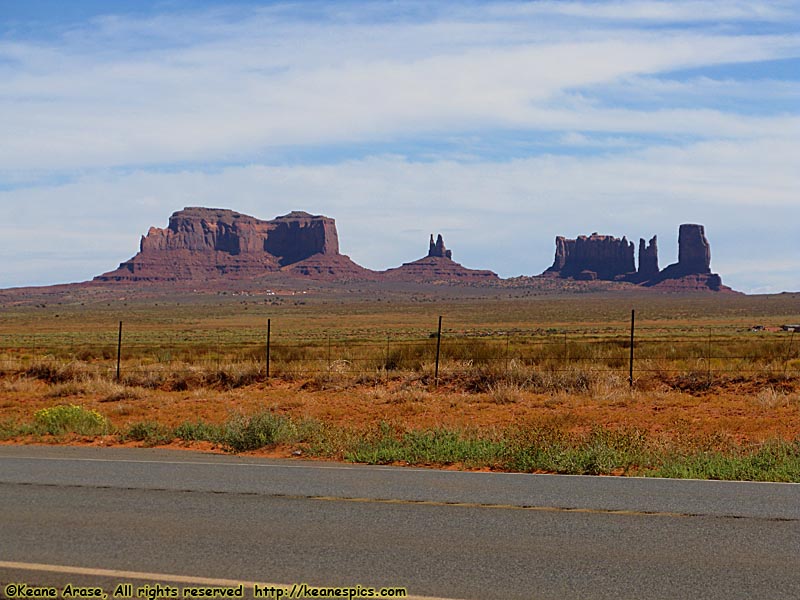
{"points": [[498, 124]]}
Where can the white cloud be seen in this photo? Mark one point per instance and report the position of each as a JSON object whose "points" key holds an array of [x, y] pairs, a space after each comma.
{"points": [[212, 89], [704, 89], [497, 215], [658, 10], [144, 116]]}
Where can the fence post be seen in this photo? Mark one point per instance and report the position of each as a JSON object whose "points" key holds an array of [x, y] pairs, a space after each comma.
{"points": [[438, 351], [386, 361], [219, 349], [119, 349], [788, 353], [630, 366], [508, 343], [269, 327]]}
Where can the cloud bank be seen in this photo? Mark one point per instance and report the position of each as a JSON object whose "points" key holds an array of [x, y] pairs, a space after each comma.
{"points": [[499, 124]]}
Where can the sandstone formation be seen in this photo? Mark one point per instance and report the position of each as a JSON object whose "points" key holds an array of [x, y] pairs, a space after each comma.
{"points": [[209, 243], [592, 257], [648, 259], [438, 267], [694, 253], [607, 258], [333, 268], [693, 269], [437, 248], [695, 282]]}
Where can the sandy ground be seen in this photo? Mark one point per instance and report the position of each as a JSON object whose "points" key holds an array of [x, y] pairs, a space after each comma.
{"points": [[741, 412]]}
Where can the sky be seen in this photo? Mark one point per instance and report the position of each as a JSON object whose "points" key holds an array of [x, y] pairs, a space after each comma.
{"points": [[498, 124]]}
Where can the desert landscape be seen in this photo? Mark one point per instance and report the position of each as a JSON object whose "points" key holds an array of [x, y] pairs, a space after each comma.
{"points": [[241, 335], [397, 299]]}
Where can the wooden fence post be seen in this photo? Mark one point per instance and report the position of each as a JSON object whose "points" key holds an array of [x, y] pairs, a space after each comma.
{"points": [[438, 351], [269, 327], [119, 349], [630, 366]]}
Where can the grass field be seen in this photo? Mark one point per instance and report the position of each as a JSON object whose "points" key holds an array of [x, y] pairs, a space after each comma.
{"points": [[527, 381]]}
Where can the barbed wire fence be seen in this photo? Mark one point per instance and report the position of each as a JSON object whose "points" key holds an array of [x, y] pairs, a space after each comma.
{"points": [[126, 354]]}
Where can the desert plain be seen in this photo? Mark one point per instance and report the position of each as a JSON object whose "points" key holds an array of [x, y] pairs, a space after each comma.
{"points": [[529, 377]]}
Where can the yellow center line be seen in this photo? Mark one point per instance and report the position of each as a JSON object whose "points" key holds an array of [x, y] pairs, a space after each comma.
{"points": [[592, 511], [407, 502]]}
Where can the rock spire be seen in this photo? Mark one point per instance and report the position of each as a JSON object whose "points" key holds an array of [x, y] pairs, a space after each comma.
{"points": [[437, 248]]}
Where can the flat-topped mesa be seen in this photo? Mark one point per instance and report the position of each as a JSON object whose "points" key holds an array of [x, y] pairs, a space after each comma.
{"points": [[593, 257], [299, 235], [438, 267], [437, 248], [203, 243], [291, 237]]}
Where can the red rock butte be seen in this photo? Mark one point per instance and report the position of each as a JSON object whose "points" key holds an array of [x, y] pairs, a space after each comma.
{"points": [[213, 243], [607, 258], [438, 266]]}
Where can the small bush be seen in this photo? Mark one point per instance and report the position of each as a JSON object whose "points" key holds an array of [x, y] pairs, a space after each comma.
{"points": [[57, 372], [149, 432], [251, 433], [505, 393], [145, 378], [692, 382], [431, 446], [242, 433], [17, 384], [61, 390], [186, 379], [10, 429], [199, 432], [235, 375], [70, 418], [115, 393]]}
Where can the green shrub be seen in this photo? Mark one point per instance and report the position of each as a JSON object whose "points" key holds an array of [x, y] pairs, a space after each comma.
{"points": [[242, 434], [70, 418], [150, 432], [199, 432], [11, 429], [776, 460], [429, 446]]}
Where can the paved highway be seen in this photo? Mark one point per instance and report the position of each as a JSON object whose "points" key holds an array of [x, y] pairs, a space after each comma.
{"points": [[83, 515]]}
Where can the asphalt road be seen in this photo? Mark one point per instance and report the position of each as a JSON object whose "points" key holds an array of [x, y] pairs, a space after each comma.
{"points": [[164, 516]]}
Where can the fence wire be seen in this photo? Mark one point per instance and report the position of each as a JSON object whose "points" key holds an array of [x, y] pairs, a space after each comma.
{"points": [[174, 353]]}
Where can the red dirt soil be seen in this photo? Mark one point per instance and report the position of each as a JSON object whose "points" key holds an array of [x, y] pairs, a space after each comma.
{"points": [[747, 413]]}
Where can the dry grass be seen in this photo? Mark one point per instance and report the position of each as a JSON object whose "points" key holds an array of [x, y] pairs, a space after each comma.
{"points": [[505, 393], [770, 398], [744, 411], [354, 362], [17, 385]]}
